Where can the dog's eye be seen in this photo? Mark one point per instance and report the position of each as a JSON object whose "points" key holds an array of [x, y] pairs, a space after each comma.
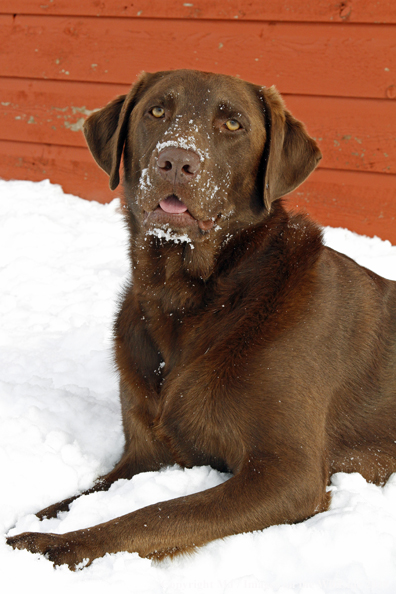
{"points": [[158, 112], [232, 125]]}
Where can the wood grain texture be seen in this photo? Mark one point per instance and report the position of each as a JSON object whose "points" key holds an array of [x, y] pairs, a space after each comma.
{"points": [[362, 202], [353, 135], [51, 112], [354, 11], [300, 58], [71, 167]]}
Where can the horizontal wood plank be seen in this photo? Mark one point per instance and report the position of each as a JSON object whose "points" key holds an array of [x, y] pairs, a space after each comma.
{"points": [[362, 202], [51, 112], [355, 11], [71, 167], [300, 58], [352, 134]]}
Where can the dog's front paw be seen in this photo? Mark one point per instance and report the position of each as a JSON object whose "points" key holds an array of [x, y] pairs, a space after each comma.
{"points": [[58, 548], [53, 510]]}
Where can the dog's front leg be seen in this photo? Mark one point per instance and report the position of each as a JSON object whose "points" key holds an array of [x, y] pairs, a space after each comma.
{"points": [[259, 496], [142, 452]]}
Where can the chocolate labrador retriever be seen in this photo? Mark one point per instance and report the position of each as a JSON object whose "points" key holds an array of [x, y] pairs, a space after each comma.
{"points": [[242, 343]]}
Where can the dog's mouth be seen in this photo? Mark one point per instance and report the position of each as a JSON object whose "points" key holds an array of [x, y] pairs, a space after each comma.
{"points": [[172, 211]]}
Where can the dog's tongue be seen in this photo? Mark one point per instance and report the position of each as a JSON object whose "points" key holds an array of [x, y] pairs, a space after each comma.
{"points": [[173, 205]]}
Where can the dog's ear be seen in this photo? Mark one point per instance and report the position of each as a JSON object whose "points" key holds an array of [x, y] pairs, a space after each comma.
{"points": [[290, 155], [106, 129]]}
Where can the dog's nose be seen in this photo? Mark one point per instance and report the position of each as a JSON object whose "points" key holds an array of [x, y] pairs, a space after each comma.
{"points": [[178, 165]]}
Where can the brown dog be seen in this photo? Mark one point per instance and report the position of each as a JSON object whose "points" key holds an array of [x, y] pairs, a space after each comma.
{"points": [[243, 342]]}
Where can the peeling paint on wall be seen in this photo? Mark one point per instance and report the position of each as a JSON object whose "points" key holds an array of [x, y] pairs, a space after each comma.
{"points": [[76, 127], [69, 116]]}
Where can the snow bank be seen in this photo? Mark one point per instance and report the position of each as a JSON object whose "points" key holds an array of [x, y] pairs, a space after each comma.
{"points": [[62, 265]]}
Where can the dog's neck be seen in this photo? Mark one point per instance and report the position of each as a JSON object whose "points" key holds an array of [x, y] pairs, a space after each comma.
{"points": [[179, 277], [279, 251], [174, 275]]}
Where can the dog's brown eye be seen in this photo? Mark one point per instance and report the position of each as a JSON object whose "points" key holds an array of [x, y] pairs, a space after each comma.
{"points": [[232, 125], [158, 112]]}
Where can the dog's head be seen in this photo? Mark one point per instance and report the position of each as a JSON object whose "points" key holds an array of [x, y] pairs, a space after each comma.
{"points": [[202, 152]]}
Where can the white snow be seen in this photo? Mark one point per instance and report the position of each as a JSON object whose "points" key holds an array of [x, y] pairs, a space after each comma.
{"points": [[169, 235], [63, 262], [185, 143]]}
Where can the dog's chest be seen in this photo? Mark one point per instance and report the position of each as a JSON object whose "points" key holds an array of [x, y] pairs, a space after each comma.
{"points": [[196, 425], [204, 382]]}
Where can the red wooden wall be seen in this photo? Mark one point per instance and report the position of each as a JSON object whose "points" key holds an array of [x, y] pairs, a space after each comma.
{"points": [[334, 61]]}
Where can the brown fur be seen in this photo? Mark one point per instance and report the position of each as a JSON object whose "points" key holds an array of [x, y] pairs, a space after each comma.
{"points": [[250, 347]]}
